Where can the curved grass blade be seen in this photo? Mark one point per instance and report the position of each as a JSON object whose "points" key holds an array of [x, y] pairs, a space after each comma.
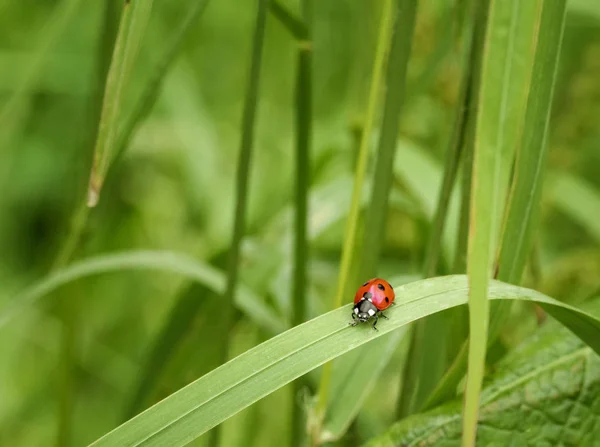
{"points": [[528, 400], [354, 376], [143, 259], [205, 403]]}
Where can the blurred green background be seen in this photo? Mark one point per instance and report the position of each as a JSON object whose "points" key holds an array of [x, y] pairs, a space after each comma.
{"points": [[173, 190]]}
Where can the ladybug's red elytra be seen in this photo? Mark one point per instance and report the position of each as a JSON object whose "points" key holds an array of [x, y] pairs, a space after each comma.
{"points": [[371, 298]]}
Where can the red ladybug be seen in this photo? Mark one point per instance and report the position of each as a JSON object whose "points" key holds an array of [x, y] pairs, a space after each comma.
{"points": [[370, 299]]}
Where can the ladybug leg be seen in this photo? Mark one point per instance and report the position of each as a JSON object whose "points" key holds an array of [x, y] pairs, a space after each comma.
{"points": [[381, 314], [375, 322]]}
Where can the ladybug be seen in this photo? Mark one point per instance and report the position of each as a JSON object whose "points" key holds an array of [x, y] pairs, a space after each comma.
{"points": [[371, 298]]}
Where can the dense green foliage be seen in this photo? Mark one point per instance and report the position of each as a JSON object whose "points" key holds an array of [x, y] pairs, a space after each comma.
{"points": [[105, 311]]}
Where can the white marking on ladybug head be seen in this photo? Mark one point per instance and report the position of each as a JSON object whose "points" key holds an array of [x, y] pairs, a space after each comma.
{"points": [[356, 310], [371, 311], [370, 300]]}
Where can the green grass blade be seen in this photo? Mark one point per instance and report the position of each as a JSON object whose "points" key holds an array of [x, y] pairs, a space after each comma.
{"points": [[354, 378], [537, 37], [243, 169], [359, 370], [294, 25], [218, 395], [577, 199], [351, 234], [400, 48], [147, 260], [152, 89], [303, 93], [430, 342], [134, 19], [486, 195], [525, 197], [542, 373], [242, 179]]}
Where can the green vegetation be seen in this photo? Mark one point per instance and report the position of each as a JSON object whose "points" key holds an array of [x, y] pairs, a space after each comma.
{"points": [[192, 190]]}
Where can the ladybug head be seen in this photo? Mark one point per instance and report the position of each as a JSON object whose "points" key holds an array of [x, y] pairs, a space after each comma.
{"points": [[364, 309]]}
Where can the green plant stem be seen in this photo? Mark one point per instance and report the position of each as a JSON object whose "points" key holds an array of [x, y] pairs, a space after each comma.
{"points": [[396, 81], [303, 140], [152, 89], [69, 309], [296, 27], [426, 352], [383, 43], [242, 180], [133, 23]]}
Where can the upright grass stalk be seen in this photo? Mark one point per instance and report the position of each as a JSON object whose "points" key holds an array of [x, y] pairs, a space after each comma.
{"points": [[303, 140], [69, 309], [296, 27], [400, 47], [540, 42], [152, 89], [383, 42], [427, 351], [135, 17], [242, 179], [492, 154], [80, 217]]}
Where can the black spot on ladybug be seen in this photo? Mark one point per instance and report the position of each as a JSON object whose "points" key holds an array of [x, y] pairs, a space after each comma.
{"points": [[387, 300], [380, 286], [365, 283]]}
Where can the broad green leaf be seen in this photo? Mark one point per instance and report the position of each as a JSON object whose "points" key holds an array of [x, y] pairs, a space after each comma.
{"points": [[545, 392], [135, 17], [144, 259], [205, 403]]}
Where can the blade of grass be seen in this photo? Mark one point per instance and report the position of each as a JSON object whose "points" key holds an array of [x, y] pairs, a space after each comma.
{"points": [[387, 21], [149, 95], [144, 259], [542, 43], [191, 411], [303, 143], [360, 371], [491, 136], [68, 308], [404, 14], [395, 81], [296, 27], [578, 199], [243, 175], [430, 341], [134, 19]]}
